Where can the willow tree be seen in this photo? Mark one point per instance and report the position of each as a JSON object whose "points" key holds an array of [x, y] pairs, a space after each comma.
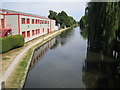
{"points": [[103, 21]]}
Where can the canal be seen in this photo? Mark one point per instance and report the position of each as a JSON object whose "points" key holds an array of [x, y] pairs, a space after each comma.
{"points": [[65, 62]]}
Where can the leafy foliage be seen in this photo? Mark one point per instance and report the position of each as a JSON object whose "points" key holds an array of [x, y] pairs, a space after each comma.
{"points": [[83, 22], [62, 18], [11, 42], [103, 20]]}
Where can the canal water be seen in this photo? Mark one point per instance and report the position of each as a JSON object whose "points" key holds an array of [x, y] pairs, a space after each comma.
{"points": [[65, 62]]}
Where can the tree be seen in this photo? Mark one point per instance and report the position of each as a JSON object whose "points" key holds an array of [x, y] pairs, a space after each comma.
{"points": [[53, 15], [83, 22], [62, 18], [103, 20]]}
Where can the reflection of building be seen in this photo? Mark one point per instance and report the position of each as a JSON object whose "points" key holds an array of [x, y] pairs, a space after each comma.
{"points": [[41, 51], [28, 25]]}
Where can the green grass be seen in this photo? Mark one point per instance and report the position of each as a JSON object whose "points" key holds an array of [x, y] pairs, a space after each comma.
{"points": [[20, 71], [22, 66], [4, 58]]}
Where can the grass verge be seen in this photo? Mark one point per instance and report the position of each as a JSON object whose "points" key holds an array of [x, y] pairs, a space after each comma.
{"points": [[17, 76]]}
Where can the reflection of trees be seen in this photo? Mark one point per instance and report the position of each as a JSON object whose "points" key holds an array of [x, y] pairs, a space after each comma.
{"points": [[100, 71], [64, 36], [103, 30], [83, 33]]}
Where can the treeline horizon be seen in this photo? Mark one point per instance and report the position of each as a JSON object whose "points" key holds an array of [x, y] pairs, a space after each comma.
{"points": [[62, 19]]}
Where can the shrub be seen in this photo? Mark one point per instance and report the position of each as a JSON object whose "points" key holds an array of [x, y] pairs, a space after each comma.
{"points": [[11, 42]]}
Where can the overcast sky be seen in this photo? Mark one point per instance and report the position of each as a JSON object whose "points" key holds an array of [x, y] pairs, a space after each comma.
{"points": [[74, 8]]}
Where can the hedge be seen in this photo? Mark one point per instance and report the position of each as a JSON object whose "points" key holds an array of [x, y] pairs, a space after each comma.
{"points": [[11, 42]]}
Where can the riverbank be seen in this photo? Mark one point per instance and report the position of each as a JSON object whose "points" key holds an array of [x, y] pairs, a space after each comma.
{"points": [[15, 62]]}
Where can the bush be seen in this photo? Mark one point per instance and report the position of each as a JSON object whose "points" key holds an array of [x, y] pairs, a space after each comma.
{"points": [[11, 42]]}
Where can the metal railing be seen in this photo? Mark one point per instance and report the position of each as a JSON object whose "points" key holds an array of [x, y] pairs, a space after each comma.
{"points": [[2, 32], [4, 29]]}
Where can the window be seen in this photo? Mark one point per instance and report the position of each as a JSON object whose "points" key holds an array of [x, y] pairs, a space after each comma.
{"points": [[36, 31], [2, 23], [48, 22], [28, 21], [36, 21], [28, 33], [45, 22], [33, 21], [23, 20], [33, 33], [48, 31], [24, 34], [40, 21]]}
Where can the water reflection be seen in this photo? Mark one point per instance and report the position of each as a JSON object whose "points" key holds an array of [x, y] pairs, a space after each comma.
{"points": [[100, 71], [83, 33], [52, 44], [61, 67], [41, 51], [69, 64], [65, 36]]}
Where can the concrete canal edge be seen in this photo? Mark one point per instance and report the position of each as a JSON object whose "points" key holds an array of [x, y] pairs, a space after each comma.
{"points": [[29, 61]]}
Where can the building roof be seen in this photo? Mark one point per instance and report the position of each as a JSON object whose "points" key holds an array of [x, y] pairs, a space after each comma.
{"points": [[17, 12]]}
